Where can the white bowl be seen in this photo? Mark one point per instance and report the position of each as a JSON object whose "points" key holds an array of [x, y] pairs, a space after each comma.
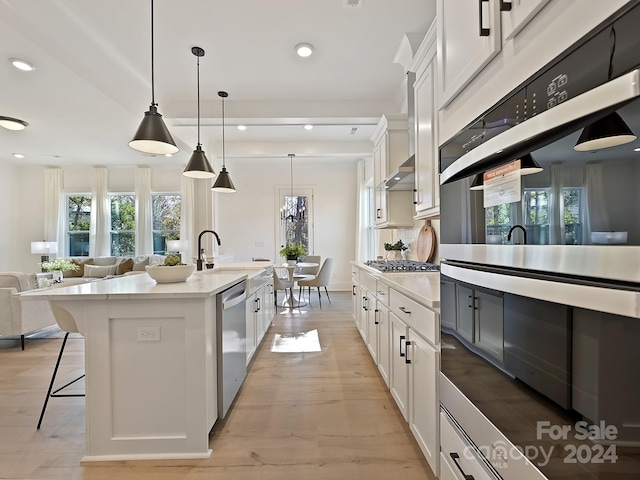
{"points": [[170, 274]]}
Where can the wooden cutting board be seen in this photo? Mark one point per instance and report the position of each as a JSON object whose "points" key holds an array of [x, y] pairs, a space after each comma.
{"points": [[426, 242]]}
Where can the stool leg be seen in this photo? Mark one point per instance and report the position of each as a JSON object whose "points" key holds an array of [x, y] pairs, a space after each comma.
{"points": [[53, 379]]}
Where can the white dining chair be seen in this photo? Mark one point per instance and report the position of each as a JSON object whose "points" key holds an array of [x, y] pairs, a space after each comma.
{"points": [[281, 284], [320, 280]]}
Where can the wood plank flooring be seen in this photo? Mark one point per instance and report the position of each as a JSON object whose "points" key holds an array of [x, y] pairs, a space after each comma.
{"points": [[313, 415]]}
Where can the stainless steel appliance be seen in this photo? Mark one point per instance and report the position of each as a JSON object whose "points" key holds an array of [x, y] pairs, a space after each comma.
{"points": [[388, 266], [540, 297], [231, 331]]}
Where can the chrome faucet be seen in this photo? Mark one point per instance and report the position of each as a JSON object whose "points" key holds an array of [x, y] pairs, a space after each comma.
{"points": [[199, 261], [524, 233]]}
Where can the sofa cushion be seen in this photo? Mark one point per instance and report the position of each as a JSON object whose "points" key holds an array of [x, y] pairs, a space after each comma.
{"points": [[104, 261], [99, 271], [139, 263], [81, 262], [124, 266]]}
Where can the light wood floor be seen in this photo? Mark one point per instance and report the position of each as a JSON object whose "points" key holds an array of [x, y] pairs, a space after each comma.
{"points": [[319, 415]]}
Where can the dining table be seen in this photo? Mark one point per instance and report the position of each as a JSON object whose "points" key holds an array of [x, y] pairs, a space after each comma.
{"points": [[290, 301]]}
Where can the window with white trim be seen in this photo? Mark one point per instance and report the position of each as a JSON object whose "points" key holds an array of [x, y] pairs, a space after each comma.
{"points": [[78, 209], [123, 224], [166, 209]]}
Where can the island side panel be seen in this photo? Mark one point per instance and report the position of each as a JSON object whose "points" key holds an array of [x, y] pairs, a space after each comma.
{"points": [[151, 377]]}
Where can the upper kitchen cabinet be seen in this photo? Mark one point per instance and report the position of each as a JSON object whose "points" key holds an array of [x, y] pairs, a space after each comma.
{"points": [[468, 38], [427, 185], [393, 209], [516, 14]]}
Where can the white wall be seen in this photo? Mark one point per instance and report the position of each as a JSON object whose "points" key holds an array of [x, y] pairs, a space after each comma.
{"points": [[247, 221]]}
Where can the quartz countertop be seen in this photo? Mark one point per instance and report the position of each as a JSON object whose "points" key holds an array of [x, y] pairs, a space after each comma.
{"points": [[423, 287], [200, 284]]}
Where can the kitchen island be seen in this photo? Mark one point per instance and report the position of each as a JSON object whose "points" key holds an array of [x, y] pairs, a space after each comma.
{"points": [[150, 360]]}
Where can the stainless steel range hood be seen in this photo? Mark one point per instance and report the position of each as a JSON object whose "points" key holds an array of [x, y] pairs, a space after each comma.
{"points": [[404, 177]]}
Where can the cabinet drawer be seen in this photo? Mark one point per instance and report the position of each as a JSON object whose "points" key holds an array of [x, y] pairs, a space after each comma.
{"points": [[355, 272], [458, 457], [368, 282], [382, 293], [418, 317]]}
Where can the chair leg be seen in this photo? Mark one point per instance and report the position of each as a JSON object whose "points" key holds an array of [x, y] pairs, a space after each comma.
{"points": [[319, 298], [327, 292], [22, 341], [275, 299], [53, 379]]}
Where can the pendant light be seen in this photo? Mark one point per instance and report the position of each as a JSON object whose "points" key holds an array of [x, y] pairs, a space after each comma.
{"points": [[198, 166], [11, 123], [609, 131], [152, 135], [223, 183], [528, 165]]}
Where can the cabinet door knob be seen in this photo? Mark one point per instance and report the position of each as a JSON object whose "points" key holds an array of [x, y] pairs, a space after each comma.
{"points": [[484, 32]]}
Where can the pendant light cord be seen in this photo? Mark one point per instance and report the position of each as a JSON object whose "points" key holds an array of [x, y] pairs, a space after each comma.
{"points": [[198, 83], [153, 96], [223, 165], [291, 157]]}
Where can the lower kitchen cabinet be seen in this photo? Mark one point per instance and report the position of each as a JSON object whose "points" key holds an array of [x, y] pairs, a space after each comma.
{"points": [[259, 315], [399, 385], [371, 319], [384, 354]]}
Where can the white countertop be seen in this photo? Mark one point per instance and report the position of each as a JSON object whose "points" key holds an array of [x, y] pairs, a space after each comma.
{"points": [[423, 287], [201, 284]]}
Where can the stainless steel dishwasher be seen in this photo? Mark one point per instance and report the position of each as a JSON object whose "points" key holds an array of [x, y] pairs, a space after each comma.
{"points": [[231, 331]]}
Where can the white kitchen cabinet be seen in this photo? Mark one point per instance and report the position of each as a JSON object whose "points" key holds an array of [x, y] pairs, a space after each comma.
{"points": [[250, 316], [371, 320], [384, 342], [468, 39], [259, 315], [516, 14], [424, 403], [399, 385], [427, 178]]}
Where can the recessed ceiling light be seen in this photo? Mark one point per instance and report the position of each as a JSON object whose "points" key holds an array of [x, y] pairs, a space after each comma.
{"points": [[308, 127], [22, 64], [304, 49], [18, 155], [11, 123], [242, 127]]}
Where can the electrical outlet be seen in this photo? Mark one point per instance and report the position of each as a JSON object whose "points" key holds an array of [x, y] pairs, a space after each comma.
{"points": [[148, 334]]}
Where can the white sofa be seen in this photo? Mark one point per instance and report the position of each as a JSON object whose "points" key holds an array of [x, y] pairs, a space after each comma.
{"points": [[20, 318], [92, 269]]}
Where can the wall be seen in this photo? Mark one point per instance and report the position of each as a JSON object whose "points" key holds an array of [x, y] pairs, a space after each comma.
{"points": [[247, 221]]}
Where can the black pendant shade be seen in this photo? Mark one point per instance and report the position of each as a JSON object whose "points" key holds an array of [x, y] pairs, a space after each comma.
{"points": [[528, 165], [153, 135], [478, 182], [223, 183], [609, 131], [198, 166]]}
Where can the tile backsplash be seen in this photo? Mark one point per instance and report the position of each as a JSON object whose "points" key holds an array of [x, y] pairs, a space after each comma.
{"points": [[409, 237]]}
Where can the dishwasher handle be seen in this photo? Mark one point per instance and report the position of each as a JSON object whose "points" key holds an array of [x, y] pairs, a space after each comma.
{"points": [[233, 301]]}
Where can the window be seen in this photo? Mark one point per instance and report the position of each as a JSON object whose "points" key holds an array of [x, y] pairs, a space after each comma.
{"points": [[499, 219], [536, 215], [78, 221], [166, 220], [123, 225], [572, 216], [296, 222]]}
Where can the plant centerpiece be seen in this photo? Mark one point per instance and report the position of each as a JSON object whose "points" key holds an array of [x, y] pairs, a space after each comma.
{"points": [[394, 250], [171, 271], [172, 259], [293, 251], [59, 265]]}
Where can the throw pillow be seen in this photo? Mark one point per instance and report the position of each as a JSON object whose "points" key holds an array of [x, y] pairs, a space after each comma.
{"points": [[139, 264], [124, 266], [99, 271], [80, 272]]}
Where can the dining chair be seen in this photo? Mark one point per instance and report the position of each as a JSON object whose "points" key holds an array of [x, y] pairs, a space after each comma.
{"points": [[310, 270], [67, 323], [320, 280], [281, 284]]}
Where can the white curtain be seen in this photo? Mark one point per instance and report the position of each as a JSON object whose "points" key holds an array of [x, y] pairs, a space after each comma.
{"points": [[187, 217], [362, 243], [144, 212], [99, 231], [596, 217], [54, 209], [556, 206]]}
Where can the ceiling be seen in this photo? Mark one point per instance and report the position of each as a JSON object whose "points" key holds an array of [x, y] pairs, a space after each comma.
{"points": [[92, 82]]}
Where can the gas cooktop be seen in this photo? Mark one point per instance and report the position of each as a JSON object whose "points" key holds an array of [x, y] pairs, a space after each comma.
{"points": [[400, 266]]}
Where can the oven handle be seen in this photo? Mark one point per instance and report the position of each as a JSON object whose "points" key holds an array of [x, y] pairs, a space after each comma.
{"points": [[454, 456]]}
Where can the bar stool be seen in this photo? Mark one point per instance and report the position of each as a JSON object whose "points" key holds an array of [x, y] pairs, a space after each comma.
{"points": [[67, 323]]}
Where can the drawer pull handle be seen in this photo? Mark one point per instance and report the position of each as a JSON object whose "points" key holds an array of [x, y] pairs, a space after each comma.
{"points": [[402, 337], [404, 310], [454, 456], [354, 290], [375, 316], [364, 303], [406, 350], [484, 32]]}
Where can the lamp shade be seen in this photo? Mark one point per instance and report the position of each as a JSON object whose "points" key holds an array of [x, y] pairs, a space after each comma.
{"points": [[153, 135], [11, 123], [177, 245], [478, 182], [528, 165], [609, 131], [198, 166], [44, 248], [223, 183]]}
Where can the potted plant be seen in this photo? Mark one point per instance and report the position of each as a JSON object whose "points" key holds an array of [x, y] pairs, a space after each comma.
{"points": [[59, 265], [293, 251], [394, 250]]}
